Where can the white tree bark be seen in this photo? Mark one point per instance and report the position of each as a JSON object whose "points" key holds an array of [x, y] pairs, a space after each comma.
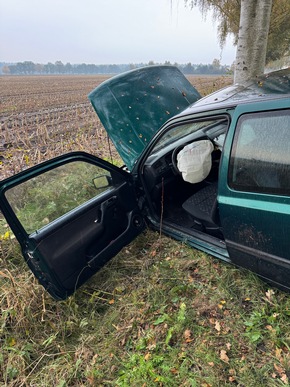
{"points": [[252, 41]]}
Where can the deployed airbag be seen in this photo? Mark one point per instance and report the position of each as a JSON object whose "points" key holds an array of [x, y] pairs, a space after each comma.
{"points": [[194, 161]]}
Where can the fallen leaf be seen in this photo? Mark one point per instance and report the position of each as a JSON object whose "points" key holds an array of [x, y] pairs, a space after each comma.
{"points": [[269, 294], [151, 346], [5, 236], [223, 356], [278, 352], [187, 334], [95, 358], [284, 379], [217, 326], [279, 369], [11, 341]]}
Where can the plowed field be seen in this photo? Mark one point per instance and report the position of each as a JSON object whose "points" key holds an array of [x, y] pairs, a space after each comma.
{"points": [[45, 116]]}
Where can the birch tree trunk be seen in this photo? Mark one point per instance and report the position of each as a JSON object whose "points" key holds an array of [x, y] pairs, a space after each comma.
{"points": [[252, 40]]}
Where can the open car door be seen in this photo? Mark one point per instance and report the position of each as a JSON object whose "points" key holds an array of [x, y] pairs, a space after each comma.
{"points": [[70, 215]]}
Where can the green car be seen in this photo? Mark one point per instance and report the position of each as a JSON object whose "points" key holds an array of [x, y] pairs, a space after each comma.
{"points": [[213, 171]]}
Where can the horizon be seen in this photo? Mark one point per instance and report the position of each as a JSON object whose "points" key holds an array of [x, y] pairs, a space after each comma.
{"points": [[103, 32]]}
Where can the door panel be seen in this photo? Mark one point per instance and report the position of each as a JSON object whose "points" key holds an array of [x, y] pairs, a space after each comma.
{"points": [[71, 216], [254, 198]]}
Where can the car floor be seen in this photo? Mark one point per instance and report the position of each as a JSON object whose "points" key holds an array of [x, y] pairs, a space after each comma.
{"points": [[173, 213], [174, 197]]}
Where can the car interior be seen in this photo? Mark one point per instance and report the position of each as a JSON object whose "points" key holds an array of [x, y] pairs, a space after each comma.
{"points": [[188, 205]]}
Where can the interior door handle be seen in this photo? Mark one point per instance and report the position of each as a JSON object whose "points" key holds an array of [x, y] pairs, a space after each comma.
{"points": [[110, 201], [104, 206]]}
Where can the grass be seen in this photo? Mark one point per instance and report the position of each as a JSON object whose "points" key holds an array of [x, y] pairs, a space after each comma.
{"points": [[159, 314]]}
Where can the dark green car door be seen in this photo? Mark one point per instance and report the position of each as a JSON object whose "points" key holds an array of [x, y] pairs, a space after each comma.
{"points": [[70, 215], [254, 194]]}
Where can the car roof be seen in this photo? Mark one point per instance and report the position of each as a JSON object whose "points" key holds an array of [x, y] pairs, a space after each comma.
{"points": [[268, 86]]}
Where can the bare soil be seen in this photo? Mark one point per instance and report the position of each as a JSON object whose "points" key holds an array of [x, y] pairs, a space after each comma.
{"points": [[44, 116]]}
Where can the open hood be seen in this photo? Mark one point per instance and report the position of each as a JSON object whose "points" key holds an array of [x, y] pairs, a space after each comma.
{"points": [[132, 106]]}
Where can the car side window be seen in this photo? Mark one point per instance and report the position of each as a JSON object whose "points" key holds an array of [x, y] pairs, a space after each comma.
{"points": [[48, 196], [260, 156]]}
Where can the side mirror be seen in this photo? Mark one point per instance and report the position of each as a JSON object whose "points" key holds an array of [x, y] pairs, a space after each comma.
{"points": [[102, 182]]}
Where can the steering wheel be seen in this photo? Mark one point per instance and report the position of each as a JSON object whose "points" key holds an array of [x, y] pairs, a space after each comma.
{"points": [[174, 159]]}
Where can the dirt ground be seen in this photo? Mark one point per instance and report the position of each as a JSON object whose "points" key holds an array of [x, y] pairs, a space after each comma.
{"points": [[44, 116]]}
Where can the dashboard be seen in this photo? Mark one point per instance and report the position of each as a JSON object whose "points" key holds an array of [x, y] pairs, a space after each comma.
{"points": [[159, 166]]}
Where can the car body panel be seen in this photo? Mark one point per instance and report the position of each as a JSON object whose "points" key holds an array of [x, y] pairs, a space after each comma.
{"points": [[256, 224], [265, 87], [132, 106]]}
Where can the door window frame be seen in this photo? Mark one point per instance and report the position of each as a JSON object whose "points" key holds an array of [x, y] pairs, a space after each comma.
{"points": [[264, 165]]}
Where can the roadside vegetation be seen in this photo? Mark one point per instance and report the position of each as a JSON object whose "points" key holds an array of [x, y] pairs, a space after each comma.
{"points": [[159, 314]]}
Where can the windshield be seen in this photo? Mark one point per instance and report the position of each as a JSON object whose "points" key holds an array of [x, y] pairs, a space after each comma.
{"points": [[178, 132]]}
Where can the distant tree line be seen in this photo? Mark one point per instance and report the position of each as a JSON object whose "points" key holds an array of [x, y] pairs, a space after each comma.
{"points": [[30, 68]]}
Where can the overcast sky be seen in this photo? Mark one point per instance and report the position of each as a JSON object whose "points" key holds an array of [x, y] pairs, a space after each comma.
{"points": [[107, 31]]}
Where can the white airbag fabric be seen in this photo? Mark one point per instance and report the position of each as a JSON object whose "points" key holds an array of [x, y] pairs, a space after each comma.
{"points": [[194, 161]]}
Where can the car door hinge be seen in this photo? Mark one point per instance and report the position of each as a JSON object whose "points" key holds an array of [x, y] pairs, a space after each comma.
{"points": [[34, 264]]}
